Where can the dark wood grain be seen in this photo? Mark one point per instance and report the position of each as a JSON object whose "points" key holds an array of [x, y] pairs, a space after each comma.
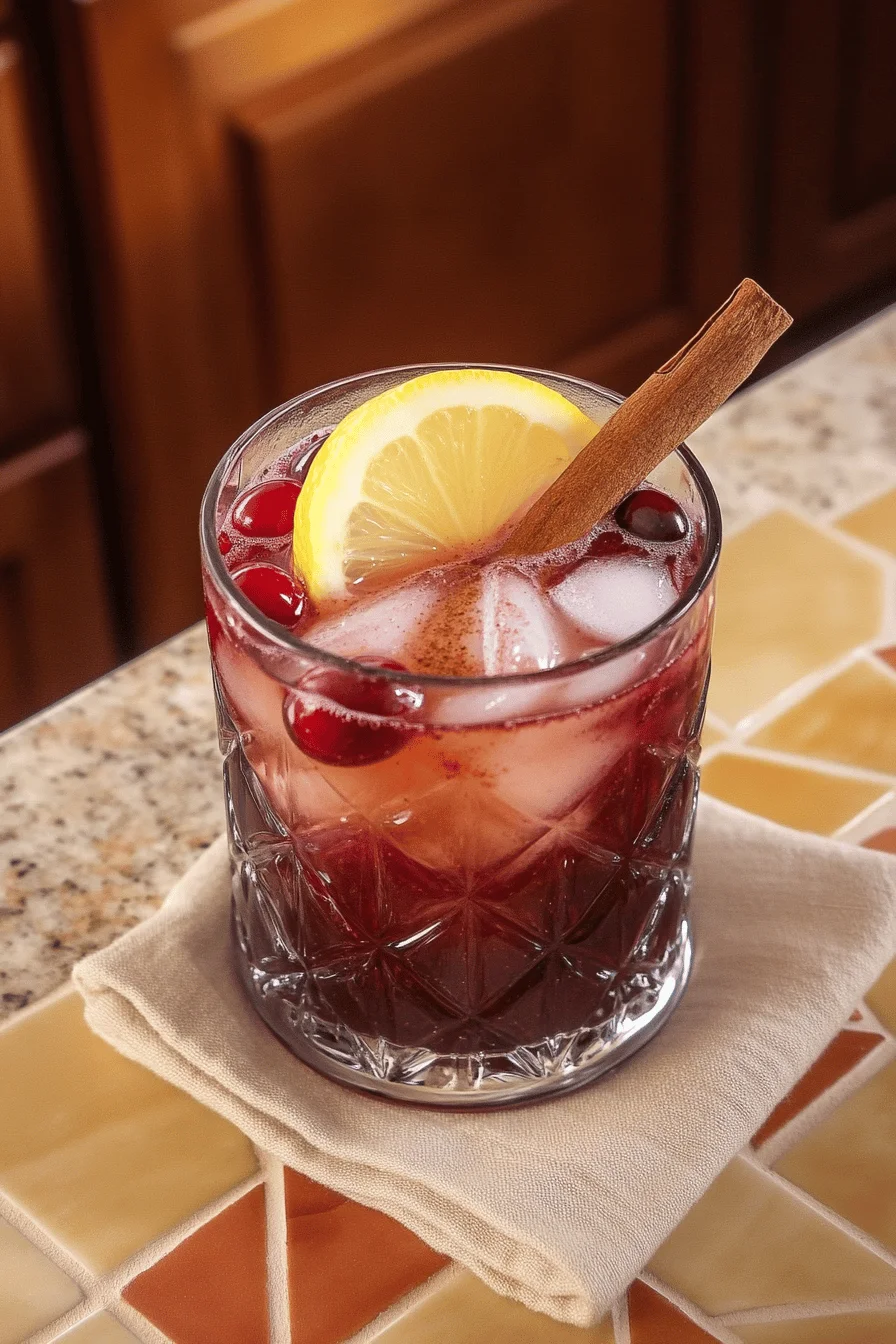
{"points": [[830, 219], [55, 631], [35, 385]]}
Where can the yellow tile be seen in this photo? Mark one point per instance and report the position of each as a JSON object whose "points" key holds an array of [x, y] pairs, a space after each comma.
{"points": [[855, 1327], [750, 1243], [809, 800], [850, 719], [99, 1150], [710, 735], [848, 1161], [33, 1292], [874, 522], [100, 1329], [790, 600], [881, 998], [466, 1312]]}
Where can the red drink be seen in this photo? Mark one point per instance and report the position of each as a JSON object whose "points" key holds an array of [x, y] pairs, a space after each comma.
{"points": [[461, 889]]}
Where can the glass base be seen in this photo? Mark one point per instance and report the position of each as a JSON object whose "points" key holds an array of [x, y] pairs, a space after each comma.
{"points": [[482, 1081]]}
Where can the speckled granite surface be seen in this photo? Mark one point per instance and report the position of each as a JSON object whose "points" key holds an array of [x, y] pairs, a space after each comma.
{"points": [[108, 796], [820, 434], [105, 799]]}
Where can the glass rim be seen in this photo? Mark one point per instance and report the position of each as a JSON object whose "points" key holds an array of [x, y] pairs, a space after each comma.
{"points": [[285, 640]]}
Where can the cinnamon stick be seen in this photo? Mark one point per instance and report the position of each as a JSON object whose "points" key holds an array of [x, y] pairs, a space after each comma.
{"points": [[653, 421]]}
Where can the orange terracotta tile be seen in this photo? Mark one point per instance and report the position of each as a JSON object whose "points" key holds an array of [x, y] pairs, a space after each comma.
{"points": [[884, 840], [874, 522], [850, 719], [848, 1161], [881, 998], [790, 601], [346, 1262], [844, 1053], [809, 800], [653, 1319], [212, 1288], [888, 655]]}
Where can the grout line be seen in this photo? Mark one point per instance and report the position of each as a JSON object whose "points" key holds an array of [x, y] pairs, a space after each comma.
{"points": [[794, 694], [818, 1110], [860, 774], [849, 1230], [279, 1306], [32, 1230], [809, 1311], [713, 1325], [138, 1324], [102, 1289], [154, 1251], [62, 1324], [619, 1316], [443, 1278]]}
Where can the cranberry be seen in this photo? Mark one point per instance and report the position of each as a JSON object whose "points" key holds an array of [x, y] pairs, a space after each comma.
{"points": [[273, 592], [334, 737], [608, 544], [652, 515], [224, 543], [266, 510]]}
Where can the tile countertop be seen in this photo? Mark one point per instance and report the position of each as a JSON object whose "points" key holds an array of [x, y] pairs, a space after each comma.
{"points": [[129, 1214], [108, 796]]}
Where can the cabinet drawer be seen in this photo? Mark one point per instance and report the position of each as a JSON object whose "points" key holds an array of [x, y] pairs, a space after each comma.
{"points": [[35, 390], [55, 631]]}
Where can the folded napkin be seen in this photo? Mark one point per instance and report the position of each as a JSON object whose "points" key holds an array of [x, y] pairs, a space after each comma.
{"points": [[558, 1205]]}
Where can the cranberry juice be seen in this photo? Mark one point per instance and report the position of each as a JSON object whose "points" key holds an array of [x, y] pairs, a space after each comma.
{"points": [[468, 887]]}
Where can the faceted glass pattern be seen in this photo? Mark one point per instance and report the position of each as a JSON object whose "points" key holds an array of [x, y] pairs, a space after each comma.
{"points": [[457, 980], [494, 907]]}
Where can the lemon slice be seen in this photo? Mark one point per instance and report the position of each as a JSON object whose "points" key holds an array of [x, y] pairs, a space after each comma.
{"points": [[427, 472]]}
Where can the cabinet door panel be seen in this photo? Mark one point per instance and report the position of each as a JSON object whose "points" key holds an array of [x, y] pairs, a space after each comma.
{"points": [[34, 383], [554, 182], [55, 631], [831, 222], [464, 191]]}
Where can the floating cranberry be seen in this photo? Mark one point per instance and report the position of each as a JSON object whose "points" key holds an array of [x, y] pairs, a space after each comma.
{"points": [[358, 726], [224, 543], [266, 510], [273, 592], [608, 544], [652, 515]]}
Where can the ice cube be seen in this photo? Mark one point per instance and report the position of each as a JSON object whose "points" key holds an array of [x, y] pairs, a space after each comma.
{"points": [[614, 599], [382, 626], [544, 769], [520, 631]]}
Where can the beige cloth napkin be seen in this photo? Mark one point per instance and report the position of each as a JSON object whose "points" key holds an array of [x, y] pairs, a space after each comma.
{"points": [[558, 1205]]}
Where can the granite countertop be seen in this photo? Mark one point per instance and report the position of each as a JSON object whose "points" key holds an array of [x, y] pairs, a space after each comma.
{"points": [[109, 795]]}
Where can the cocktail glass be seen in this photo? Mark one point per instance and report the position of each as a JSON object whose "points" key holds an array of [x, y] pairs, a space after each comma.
{"points": [[497, 910]]}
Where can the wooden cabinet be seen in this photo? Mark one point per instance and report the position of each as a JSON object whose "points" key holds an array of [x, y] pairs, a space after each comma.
{"points": [[278, 192], [35, 384], [54, 617], [830, 222], [470, 196], [55, 624], [290, 196]]}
